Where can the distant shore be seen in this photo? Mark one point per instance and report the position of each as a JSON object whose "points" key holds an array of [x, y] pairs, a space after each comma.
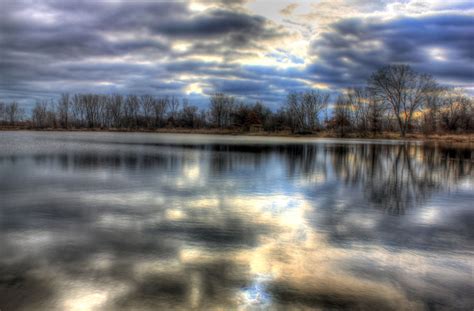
{"points": [[442, 137]]}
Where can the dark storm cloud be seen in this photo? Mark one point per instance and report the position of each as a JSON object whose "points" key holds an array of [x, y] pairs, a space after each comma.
{"points": [[437, 44], [240, 86], [56, 46], [215, 23]]}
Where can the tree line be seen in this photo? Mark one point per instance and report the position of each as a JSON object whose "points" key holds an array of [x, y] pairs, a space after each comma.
{"points": [[396, 98]]}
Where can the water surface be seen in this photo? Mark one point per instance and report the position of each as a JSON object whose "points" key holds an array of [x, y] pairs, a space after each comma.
{"points": [[116, 221]]}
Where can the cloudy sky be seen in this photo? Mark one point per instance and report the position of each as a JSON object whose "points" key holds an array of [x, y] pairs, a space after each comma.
{"points": [[256, 50]]}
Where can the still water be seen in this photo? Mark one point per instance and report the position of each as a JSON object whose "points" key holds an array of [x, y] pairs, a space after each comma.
{"points": [[117, 221]]}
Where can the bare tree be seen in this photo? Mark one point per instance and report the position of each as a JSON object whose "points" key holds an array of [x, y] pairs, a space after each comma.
{"points": [[159, 111], [131, 111], [403, 89], [147, 103], [64, 110], [431, 113], [78, 111], [189, 116], [173, 107], [13, 113], [39, 114], [92, 109], [115, 107], [294, 112], [3, 114], [376, 113], [359, 102], [313, 103], [366, 110], [221, 108], [304, 109], [342, 118], [456, 111]]}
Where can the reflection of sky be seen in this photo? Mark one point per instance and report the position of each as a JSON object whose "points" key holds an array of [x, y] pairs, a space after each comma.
{"points": [[134, 222]]}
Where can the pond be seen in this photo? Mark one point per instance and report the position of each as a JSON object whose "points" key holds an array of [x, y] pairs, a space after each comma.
{"points": [[141, 221]]}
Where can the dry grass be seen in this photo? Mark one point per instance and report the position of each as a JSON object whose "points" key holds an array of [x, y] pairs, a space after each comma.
{"points": [[445, 138]]}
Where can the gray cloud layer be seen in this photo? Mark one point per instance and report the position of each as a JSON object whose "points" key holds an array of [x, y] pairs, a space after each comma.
{"points": [[438, 44], [161, 48]]}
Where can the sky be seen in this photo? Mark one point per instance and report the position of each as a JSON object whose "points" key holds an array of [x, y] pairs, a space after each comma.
{"points": [[254, 50]]}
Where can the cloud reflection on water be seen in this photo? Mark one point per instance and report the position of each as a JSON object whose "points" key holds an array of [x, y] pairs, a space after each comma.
{"points": [[107, 222]]}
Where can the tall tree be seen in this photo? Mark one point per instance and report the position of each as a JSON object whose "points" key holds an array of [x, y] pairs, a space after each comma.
{"points": [[342, 118], [148, 103], [13, 113], [39, 114], [159, 111], [221, 109], [313, 103], [304, 109], [64, 110], [403, 89]]}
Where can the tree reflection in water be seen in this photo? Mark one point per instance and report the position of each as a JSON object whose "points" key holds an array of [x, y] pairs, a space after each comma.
{"points": [[392, 177], [117, 221]]}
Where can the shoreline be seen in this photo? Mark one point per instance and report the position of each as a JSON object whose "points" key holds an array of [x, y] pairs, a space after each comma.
{"points": [[445, 138]]}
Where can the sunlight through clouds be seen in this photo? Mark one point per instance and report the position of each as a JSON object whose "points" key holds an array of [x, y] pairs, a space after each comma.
{"points": [[302, 43]]}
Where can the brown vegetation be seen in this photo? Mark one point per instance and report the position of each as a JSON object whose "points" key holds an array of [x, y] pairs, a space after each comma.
{"points": [[397, 103]]}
